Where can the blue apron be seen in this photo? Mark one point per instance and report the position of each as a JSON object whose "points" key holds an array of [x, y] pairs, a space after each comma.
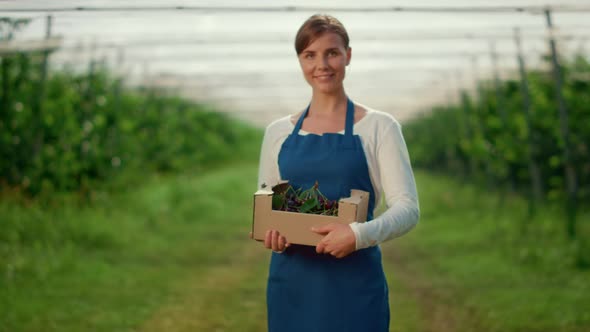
{"points": [[310, 292]]}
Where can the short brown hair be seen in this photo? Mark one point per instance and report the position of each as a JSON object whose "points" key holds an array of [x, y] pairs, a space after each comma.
{"points": [[317, 25]]}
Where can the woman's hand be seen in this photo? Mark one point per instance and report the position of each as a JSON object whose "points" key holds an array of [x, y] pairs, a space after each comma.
{"points": [[275, 241], [338, 242]]}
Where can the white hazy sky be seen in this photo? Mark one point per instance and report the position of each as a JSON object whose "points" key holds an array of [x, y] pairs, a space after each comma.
{"points": [[245, 63]]}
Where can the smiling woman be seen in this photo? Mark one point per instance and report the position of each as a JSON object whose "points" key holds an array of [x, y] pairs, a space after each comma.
{"points": [[339, 285], [323, 49], [324, 62]]}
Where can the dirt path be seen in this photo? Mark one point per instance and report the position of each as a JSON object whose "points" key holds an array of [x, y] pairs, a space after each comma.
{"points": [[438, 307], [226, 297], [230, 296]]}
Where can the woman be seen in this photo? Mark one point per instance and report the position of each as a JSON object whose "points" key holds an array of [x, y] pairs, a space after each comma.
{"points": [[339, 285]]}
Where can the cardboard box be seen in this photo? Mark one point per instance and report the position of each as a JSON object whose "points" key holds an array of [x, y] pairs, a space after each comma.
{"points": [[296, 227]]}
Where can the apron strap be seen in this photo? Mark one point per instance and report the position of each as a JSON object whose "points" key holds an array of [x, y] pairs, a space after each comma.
{"points": [[348, 131], [300, 121], [349, 118]]}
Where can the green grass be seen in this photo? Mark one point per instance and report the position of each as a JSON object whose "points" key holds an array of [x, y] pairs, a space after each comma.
{"points": [[470, 246], [405, 307], [108, 266], [172, 254]]}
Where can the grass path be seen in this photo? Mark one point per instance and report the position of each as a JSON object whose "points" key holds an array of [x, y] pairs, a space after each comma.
{"points": [[225, 297], [431, 315], [429, 308], [229, 295], [470, 267], [174, 255]]}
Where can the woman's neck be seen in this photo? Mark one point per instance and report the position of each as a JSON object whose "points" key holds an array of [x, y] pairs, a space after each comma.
{"points": [[328, 104]]}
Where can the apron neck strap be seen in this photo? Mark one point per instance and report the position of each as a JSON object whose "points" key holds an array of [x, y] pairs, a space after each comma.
{"points": [[349, 119], [300, 121]]}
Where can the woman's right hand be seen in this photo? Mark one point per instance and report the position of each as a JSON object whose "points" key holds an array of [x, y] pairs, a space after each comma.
{"points": [[275, 241]]}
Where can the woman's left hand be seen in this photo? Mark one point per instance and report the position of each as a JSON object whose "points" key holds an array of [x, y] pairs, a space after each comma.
{"points": [[338, 242]]}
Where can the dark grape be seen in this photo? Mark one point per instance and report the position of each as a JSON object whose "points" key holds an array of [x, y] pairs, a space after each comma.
{"points": [[295, 199]]}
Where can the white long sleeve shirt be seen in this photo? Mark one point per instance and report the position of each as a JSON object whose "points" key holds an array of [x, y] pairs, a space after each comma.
{"points": [[389, 169]]}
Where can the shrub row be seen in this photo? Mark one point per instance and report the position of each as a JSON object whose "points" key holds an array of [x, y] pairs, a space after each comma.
{"points": [[484, 136], [76, 130]]}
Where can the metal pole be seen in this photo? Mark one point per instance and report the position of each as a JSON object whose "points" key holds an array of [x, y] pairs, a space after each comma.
{"points": [[570, 173], [501, 110], [113, 132], [449, 150], [119, 73], [480, 121], [89, 105], [500, 105], [465, 125], [534, 169], [471, 169], [37, 106], [458, 82]]}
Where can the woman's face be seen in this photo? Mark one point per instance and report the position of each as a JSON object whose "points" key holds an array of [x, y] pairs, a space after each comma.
{"points": [[324, 61]]}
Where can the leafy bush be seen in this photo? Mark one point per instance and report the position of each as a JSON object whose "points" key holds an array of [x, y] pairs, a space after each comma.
{"points": [[79, 129], [473, 137]]}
